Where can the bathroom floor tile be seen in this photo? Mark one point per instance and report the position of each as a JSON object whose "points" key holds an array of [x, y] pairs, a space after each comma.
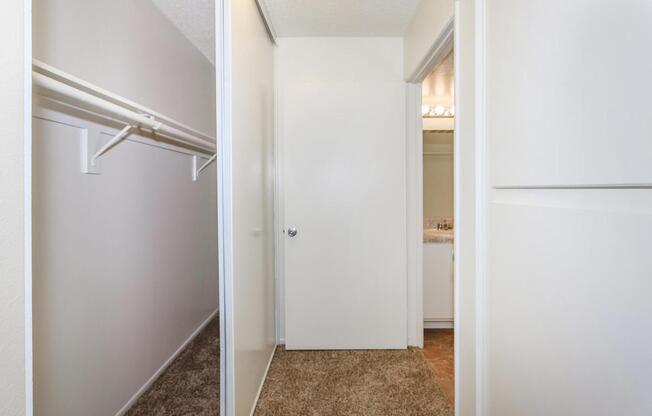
{"points": [[438, 351]]}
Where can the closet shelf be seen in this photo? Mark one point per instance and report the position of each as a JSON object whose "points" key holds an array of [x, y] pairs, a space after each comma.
{"points": [[59, 85]]}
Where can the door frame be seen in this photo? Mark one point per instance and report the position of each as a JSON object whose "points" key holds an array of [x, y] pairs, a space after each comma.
{"points": [[437, 52], [27, 205], [466, 32], [223, 100]]}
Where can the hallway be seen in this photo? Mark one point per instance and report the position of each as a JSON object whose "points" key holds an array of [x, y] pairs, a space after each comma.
{"points": [[365, 383]]}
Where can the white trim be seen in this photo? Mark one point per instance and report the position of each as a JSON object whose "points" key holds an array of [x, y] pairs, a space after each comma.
{"points": [[279, 221], [262, 382], [27, 207], [440, 48], [481, 183], [224, 204], [414, 206], [457, 209], [269, 24], [165, 365], [438, 324]]}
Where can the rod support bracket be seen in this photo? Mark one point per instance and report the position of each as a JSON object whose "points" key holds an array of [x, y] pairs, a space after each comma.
{"points": [[122, 134], [197, 169]]}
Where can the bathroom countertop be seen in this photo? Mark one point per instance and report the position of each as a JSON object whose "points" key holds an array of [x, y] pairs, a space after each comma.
{"points": [[433, 235]]}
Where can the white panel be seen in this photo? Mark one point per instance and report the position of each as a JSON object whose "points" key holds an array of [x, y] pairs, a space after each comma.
{"points": [[345, 193], [124, 267], [252, 167], [438, 281], [567, 94], [568, 280], [569, 303]]}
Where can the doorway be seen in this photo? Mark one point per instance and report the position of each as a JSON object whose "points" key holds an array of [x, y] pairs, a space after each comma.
{"points": [[438, 112]]}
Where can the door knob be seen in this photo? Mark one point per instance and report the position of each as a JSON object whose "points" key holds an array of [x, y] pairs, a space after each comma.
{"points": [[292, 232]]}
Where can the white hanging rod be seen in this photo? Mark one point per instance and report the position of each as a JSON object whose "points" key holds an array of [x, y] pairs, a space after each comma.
{"points": [[51, 80]]}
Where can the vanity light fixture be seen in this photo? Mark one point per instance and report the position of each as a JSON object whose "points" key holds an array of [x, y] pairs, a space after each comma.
{"points": [[437, 111]]}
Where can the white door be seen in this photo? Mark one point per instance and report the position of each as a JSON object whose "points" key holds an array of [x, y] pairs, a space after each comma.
{"points": [[344, 187], [569, 136]]}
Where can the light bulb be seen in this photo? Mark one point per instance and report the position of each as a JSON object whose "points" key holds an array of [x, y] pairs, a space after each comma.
{"points": [[452, 110], [425, 109], [440, 110]]}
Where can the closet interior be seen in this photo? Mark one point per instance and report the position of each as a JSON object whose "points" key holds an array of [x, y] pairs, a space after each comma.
{"points": [[125, 269]]}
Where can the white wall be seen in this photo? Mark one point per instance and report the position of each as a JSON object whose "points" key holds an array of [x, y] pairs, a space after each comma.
{"points": [[12, 306], [129, 48], [465, 209], [429, 20], [342, 60], [252, 162], [125, 265]]}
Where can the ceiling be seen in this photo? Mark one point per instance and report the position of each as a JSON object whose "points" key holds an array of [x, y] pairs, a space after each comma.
{"points": [[195, 19], [340, 17], [365, 18]]}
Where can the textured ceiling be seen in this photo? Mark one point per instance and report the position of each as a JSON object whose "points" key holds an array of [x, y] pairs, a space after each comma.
{"points": [[340, 17], [195, 19]]}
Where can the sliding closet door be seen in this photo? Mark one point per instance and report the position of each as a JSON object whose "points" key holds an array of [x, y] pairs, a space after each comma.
{"points": [[568, 132], [246, 198]]}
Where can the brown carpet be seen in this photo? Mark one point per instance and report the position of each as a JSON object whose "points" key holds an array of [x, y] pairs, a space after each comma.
{"points": [[191, 384], [351, 383]]}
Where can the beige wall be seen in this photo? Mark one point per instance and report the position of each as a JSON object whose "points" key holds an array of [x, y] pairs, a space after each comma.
{"points": [[12, 306], [129, 48], [429, 21], [438, 175]]}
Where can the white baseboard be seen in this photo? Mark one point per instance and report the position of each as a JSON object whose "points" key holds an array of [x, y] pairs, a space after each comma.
{"points": [[438, 324], [262, 383], [165, 365]]}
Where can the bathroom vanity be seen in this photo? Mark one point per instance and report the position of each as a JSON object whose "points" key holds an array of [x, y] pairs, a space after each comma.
{"points": [[438, 282]]}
